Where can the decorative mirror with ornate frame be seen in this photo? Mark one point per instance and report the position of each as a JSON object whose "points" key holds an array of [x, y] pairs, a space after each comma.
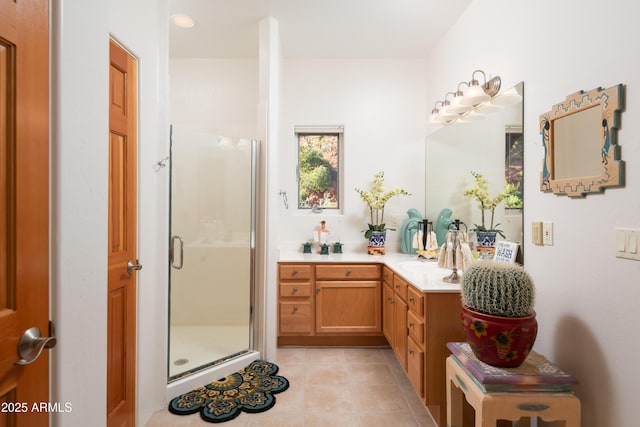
{"points": [[582, 155]]}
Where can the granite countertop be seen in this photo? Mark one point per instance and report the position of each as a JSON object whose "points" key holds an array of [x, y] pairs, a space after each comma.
{"points": [[423, 274]]}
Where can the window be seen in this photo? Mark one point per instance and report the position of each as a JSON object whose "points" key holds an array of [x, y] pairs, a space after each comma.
{"points": [[319, 166], [514, 166]]}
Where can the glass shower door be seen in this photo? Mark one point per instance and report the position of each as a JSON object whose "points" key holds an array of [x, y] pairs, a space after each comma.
{"points": [[211, 231]]}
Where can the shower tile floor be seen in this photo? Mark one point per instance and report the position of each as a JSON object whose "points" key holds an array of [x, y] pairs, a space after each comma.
{"points": [[194, 346], [332, 387]]}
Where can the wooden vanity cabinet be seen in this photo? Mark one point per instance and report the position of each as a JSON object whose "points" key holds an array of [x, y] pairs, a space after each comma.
{"points": [[430, 319], [330, 304], [348, 299], [441, 325], [395, 313], [294, 299]]}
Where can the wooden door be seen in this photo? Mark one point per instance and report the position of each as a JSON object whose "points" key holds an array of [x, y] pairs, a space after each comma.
{"points": [[121, 307], [24, 206]]}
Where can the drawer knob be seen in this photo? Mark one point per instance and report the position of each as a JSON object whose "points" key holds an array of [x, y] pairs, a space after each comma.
{"points": [[294, 272], [411, 351], [295, 308], [411, 299], [318, 289], [397, 286], [348, 272], [411, 324], [295, 290]]}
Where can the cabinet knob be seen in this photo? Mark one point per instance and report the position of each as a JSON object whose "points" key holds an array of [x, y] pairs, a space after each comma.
{"points": [[295, 290], [348, 272], [397, 286], [295, 308], [411, 299], [411, 324], [318, 289], [294, 272], [392, 301], [411, 351]]}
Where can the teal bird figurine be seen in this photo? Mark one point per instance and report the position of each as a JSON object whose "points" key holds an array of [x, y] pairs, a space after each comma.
{"points": [[408, 230], [442, 225]]}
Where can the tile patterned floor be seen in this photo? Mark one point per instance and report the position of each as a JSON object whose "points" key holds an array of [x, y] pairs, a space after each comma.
{"points": [[331, 387]]}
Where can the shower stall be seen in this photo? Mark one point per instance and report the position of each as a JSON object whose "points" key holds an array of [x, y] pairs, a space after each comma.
{"points": [[211, 271]]}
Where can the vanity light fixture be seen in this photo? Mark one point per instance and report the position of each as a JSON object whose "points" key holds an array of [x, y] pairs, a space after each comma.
{"points": [[445, 115], [464, 102], [435, 113], [456, 106], [478, 93]]}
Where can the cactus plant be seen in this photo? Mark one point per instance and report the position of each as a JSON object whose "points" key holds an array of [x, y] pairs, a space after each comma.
{"points": [[497, 312], [499, 289]]}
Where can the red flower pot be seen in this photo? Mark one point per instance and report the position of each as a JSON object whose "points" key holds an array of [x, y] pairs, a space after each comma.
{"points": [[499, 341]]}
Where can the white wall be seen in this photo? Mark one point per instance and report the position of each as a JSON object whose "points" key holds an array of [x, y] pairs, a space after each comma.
{"points": [[587, 298], [381, 104], [216, 95], [79, 182]]}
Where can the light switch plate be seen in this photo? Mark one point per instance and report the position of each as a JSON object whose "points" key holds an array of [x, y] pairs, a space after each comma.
{"points": [[628, 243], [547, 233]]}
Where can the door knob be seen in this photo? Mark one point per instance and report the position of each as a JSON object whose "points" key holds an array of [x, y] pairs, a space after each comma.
{"points": [[133, 266], [32, 343]]}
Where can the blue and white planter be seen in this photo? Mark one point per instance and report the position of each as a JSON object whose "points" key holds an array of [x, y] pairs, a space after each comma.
{"points": [[377, 241], [486, 238]]}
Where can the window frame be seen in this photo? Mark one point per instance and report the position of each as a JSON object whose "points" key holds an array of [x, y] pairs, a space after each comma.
{"points": [[322, 130]]}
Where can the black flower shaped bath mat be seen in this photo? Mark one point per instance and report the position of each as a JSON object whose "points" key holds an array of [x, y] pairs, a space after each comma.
{"points": [[251, 390]]}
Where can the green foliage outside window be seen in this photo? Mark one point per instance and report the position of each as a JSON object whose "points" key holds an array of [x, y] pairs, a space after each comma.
{"points": [[318, 168]]}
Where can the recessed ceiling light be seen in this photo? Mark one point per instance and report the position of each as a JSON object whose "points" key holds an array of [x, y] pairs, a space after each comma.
{"points": [[183, 21]]}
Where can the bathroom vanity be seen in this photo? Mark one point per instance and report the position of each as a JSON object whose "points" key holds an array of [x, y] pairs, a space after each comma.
{"points": [[362, 300]]}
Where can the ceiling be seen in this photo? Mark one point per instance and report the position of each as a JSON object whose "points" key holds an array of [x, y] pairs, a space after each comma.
{"points": [[314, 28]]}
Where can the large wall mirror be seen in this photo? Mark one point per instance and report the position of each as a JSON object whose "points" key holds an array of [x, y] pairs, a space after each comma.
{"points": [[488, 140], [579, 137]]}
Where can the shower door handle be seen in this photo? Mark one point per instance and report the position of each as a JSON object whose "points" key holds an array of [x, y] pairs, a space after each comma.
{"points": [[172, 252]]}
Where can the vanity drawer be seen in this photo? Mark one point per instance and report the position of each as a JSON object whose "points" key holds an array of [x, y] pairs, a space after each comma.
{"points": [[400, 287], [295, 289], [415, 325], [387, 275], [295, 318], [415, 301], [348, 271], [295, 271]]}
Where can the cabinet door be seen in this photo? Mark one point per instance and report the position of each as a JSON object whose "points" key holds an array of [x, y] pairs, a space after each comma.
{"points": [[387, 313], [348, 307], [415, 366], [400, 331]]}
